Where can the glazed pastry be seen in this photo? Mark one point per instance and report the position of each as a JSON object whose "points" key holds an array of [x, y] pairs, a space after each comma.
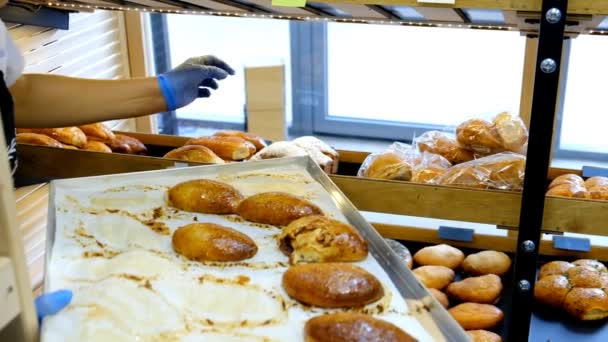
{"points": [[38, 139], [351, 327], [66, 135], [205, 196], [194, 153], [332, 285], [434, 277], [487, 262], [587, 304], [212, 242], [441, 297], [554, 267], [96, 146], [387, 165], [227, 148], [594, 264], [445, 145], [321, 239], [126, 144], [583, 276], [401, 251], [98, 132], [483, 289], [483, 336], [474, 316], [440, 255], [570, 179], [551, 290], [276, 208], [256, 140], [596, 181]]}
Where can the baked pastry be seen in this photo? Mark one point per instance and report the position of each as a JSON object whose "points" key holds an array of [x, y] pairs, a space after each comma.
{"points": [[427, 175], [227, 148], [98, 132], [440, 255], [443, 144], [479, 136], [310, 142], [212, 242], [126, 144], [594, 264], [66, 135], [502, 171], [283, 149], [487, 262], [387, 165], [551, 290], [596, 181], [568, 178], [276, 208], [483, 336], [598, 192], [434, 277], [554, 267], [568, 190], [194, 153], [321, 239], [587, 304], [38, 139], [474, 316], [583, 276], [483, 289], [256, 140], [401, 251], [441, 297], [205, 196], [351, 327], [511, 130], [96, 146], [331, 285]]}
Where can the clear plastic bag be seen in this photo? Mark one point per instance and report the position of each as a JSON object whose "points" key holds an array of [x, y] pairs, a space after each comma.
{"points": [[395, 163], [444, 144], [505, 132], [502, 171]]}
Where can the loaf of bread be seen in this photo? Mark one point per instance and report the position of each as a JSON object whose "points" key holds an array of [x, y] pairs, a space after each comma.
{"points": [[569, 178], [487, 262], [596, 181], [590, 263], [347, 327], [205, 196], [227, 148], [194, 153], [66, 135], [98, 132], [387, 165], [443, 144], [474, 316], [502, 171], [276, 208], [511, 130], [440, 255], [598, 192], [126, 144], [484, 289], [427, 175], [256, 140], [212, 242], [505, 133], [440, 297], [96, 146], [434, 277], [38, 139], [568, 190], [554, 268]]}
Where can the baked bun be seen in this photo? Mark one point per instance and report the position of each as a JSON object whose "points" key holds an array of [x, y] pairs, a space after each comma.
{"points": [[598, 192], [321, 239], [503, 171], [554, 267], [590, 263], [587, 304], [401, 251], [487, 262], [276, 208], [479, 136], [194, 153], [98, 132], [568, 190], [427, 175], [441, 297], [96, 146], [596, 181], [568, 178], [387, 165], [38, 139], [474, 316], [511, 130], [205, 196], [351, 327], [483, 336], [440, 255], [582, 276], [434, 277], [444, 144], [308, 142], [126, 144], [227, 148], [483, 289], [212, 242], [332, 285], [551, 290], [66, 135], [256, 140]]}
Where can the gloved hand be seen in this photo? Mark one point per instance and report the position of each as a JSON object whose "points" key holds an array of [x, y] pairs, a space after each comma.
{"points": [[191, 79], [51, 303]]}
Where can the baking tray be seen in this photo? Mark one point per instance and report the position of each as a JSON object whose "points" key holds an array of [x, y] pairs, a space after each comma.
{"points": [[435, 320]]}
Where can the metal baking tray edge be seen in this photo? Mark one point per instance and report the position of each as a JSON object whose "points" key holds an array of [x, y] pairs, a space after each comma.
{"points": [[442, 326]]}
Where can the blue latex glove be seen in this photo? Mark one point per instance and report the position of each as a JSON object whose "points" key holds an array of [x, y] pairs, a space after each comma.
{"points": [[51, 303], [191, 80]]}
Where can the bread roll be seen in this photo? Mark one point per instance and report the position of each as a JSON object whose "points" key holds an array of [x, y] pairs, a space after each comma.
{"points": [[205, 196], [487, 262], [256, 140], [321, 239], [445, 145], [594, 264], [503, 171], [96, 146], [440, 297], [474, 316], [332, 285], [401, 251], [483, 289], [583, 276], [554, 268], [313, 142], [479, 136], [38, 139], [570, 179], [568, 190], [228, 148], [66, 135], [276, 208], [596, 181], [428, 175], [587, 304], [126, 144], [551, 290], [351, 327], [511, 130], [212, 242], [194, 153], [387, 165], [483, 336], [440, 255], [434, 277], [98, 132]]}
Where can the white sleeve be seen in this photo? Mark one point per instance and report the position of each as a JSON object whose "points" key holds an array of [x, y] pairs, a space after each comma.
{"points": [[14, 58]]}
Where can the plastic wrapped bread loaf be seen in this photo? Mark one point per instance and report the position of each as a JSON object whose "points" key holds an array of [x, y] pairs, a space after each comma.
{"points": [[505, 132], [395, 163], [444, 144], [503, 171]]}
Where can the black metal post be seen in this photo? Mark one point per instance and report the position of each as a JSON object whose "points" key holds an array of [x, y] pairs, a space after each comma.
{"points": [[544, 100]]}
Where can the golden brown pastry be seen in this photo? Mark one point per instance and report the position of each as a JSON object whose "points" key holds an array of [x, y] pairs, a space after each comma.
{"points": [[332, 285], [126, 144], [568, 178], [352, 327], [98, 132], [434, 277], [551, 290], [255, 140], [483, 289], [502, 171], [484, 336], [66, 135], [479, 136], [596, 181], [587, 304], [594, 264], [445, 145], [38, 139], [583, 276], [440, 255], [474, 316], [487, 262], [511, 130], [598, 192], [321, 239], [276, 208], [441, 297], [428, 175], [554, 267], [387, 165], [228, 148], [568, 190], [96, 146], [194, 153], [212, 242], [205, 196]]}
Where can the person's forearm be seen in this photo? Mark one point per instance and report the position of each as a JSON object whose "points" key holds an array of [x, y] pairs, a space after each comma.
{"points": [[57, 101]]}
